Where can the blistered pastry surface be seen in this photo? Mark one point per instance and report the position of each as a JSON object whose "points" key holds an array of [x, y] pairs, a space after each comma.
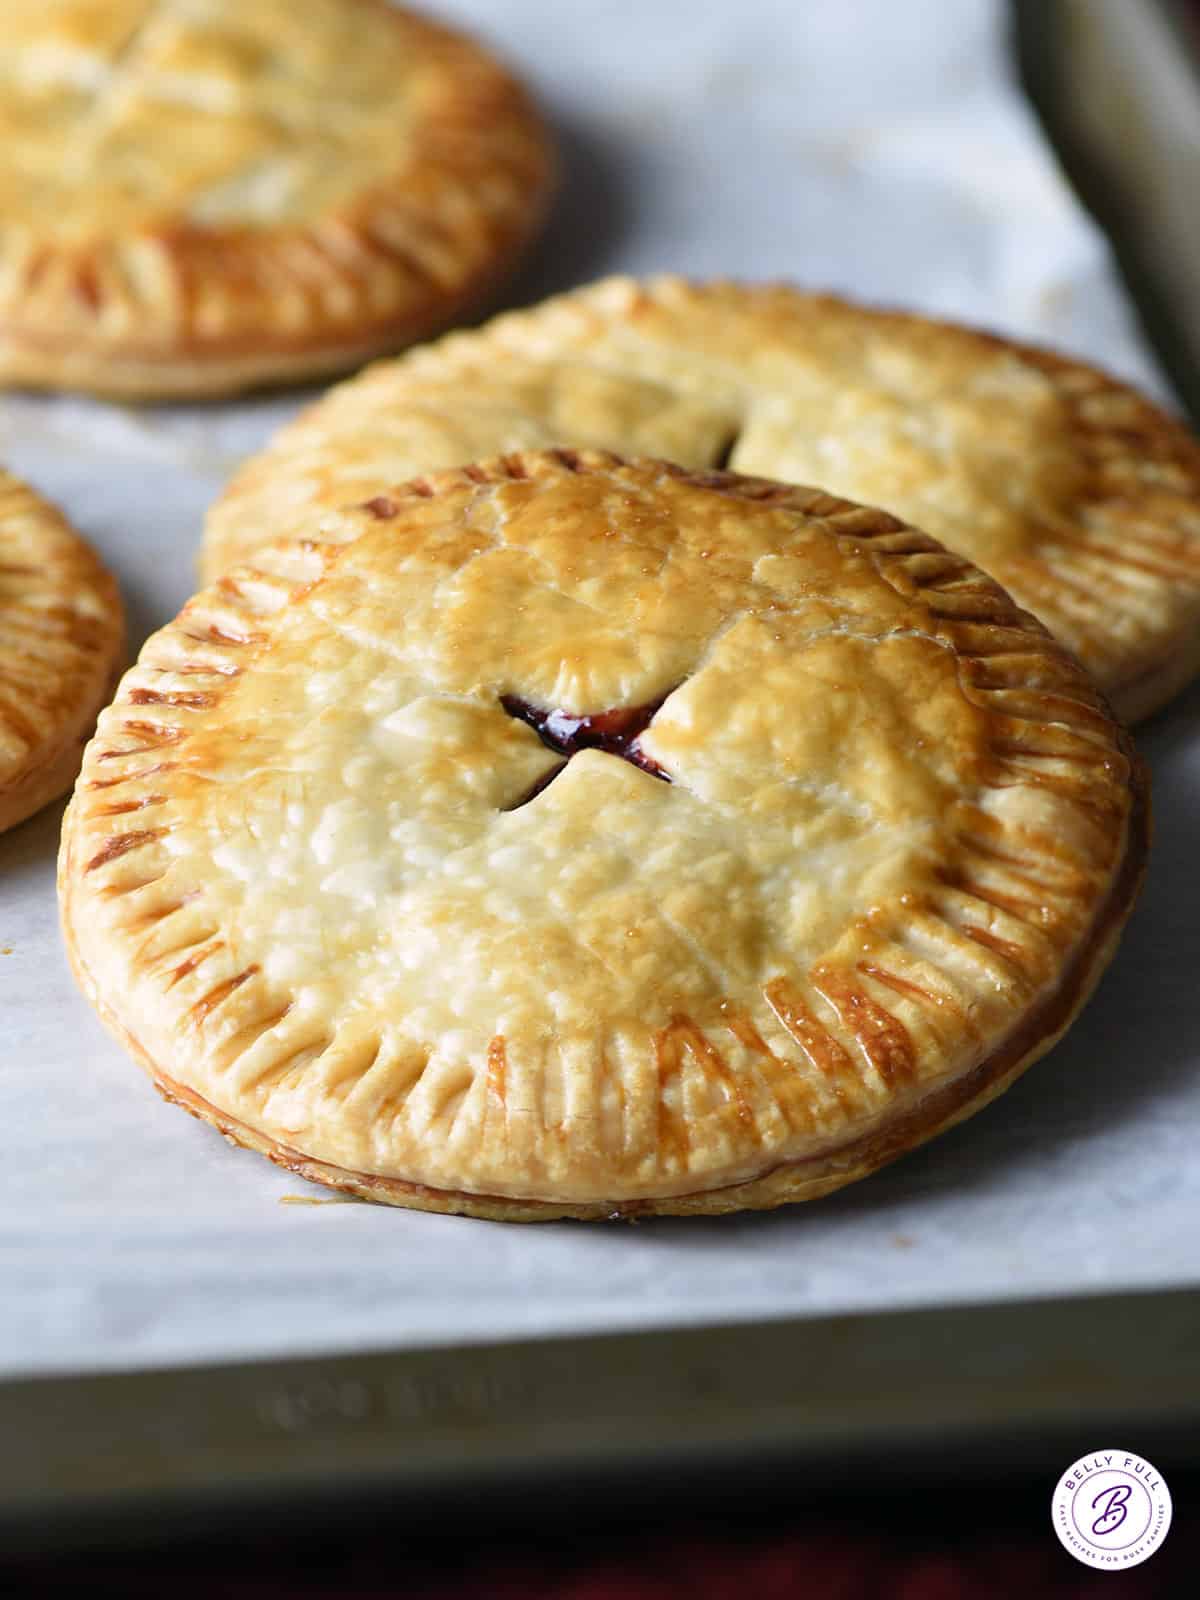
{"points": [[302, 873], [1077, 495]]}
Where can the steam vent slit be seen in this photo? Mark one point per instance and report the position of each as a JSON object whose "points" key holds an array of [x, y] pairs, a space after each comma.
{"points": [[616, 732]]}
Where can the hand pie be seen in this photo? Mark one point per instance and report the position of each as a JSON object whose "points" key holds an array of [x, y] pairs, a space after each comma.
{"points": [[61, 637], [566, 837], [1072, 491], [199, 198]]}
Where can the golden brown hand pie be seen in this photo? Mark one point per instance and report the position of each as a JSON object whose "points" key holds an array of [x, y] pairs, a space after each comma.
{"points": [[61, 636], [197, 198], [1072, 491], [563, 837]]}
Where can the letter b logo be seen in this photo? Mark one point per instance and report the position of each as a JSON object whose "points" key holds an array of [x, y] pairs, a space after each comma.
{"points": [[1112, 1503]]}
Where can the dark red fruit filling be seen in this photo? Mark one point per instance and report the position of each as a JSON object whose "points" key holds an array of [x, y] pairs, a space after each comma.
{"points": [[616, 732]]}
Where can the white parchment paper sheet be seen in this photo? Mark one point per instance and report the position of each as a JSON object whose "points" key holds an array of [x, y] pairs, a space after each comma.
{"points": [[866, 145]]}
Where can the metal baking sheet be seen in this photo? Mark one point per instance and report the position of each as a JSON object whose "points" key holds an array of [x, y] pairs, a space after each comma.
{"points": [[515, 1428], [1118, 87], [877, 149]]}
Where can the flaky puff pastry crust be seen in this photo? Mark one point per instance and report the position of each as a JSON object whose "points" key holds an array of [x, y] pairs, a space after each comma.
{"points": [[326, 881], [62, 635], [1070, 489], [199, 198]]}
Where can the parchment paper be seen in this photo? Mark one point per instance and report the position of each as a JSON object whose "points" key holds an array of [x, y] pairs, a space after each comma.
{"points": [[875, 147]]}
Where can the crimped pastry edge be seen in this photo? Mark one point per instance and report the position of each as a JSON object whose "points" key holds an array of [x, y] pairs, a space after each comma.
{"points": [[940, 1109], [56, 771], [54, 766], [142, 378]]}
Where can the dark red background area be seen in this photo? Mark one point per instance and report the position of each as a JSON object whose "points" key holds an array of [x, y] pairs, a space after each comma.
{"points": [[922, 1541]]}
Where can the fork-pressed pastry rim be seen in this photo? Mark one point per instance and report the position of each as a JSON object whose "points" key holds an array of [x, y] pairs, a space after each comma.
{"points": [[61, 638], [944, 971], [797, 1181]]}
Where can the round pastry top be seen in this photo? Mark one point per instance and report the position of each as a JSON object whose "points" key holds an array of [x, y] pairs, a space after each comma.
{"points": [[270, 178], [575, 829]]}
